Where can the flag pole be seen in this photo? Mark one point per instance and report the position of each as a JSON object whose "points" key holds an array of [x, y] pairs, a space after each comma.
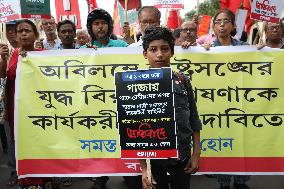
{"points": [[197, 7], [125, 10]]}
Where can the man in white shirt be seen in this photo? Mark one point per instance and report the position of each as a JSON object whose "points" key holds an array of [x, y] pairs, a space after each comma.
{"points": [[51, 42], [147, 16]]}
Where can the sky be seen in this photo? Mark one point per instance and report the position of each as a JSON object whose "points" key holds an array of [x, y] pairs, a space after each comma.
{"points": [[188, 5]]}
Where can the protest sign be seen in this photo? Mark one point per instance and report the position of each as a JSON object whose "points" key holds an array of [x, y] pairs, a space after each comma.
{"points": [[145, 110], [65, 110], [16, 9], [267, 10], [172, 4]]}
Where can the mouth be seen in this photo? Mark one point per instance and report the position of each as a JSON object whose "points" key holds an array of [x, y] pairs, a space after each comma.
{"points": [[160, 62]]}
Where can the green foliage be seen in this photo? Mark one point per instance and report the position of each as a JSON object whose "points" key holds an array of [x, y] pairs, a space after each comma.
{"points": [[208, 7]]}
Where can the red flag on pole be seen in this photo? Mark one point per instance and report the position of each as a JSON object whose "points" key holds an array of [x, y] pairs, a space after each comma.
{"points": [[132, 4], [92, 4]]}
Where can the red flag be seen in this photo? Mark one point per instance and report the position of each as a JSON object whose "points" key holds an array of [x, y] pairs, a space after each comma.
{"points": [[131, 4], [204, 25], [233, 5], [174, 20], [92, 4], [247, 6], [68, 9], [116, 20]]}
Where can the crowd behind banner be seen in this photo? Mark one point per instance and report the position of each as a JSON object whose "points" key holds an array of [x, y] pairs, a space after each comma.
{"points": [[23, 36]]}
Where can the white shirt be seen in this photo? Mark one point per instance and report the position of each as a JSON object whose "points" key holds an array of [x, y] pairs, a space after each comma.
{"points": [[137, 44], [48, 46]]}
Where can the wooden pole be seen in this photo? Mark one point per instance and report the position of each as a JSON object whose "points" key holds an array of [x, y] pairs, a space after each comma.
{"points": [[125, 10], [197, 7]]}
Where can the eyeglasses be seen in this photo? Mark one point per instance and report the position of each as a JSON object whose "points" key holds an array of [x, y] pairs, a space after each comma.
{"points": [[225, 21], [149, 23], [271, 28], [48, 23], [189, 29]]}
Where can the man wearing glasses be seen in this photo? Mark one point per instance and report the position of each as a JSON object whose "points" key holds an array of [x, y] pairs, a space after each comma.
{"points": [[189, 33], [147, 16]]}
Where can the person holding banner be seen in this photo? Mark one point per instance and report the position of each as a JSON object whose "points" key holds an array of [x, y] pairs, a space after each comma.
{"points": [[158, 48], [224, 28], [274, 35], [188, 34], [27, 34]]}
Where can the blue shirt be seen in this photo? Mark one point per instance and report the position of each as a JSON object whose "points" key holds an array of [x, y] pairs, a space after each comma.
{"points": [[111, 43], [234, 42]]}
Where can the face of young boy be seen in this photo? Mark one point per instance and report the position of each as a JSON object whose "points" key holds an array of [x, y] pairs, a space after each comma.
{"points": [[158, 54]]}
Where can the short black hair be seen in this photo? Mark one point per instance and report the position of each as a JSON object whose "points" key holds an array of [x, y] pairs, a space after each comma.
{"points": [[151, 8], [66, 22], [232, 17], [153, 33], [18, 22]]}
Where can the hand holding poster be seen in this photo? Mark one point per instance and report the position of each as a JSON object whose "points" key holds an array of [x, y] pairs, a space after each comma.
{"points": [[146, 114]]}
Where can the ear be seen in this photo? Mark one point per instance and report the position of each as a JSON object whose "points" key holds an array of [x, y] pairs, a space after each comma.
{"points": [[145, 54]]}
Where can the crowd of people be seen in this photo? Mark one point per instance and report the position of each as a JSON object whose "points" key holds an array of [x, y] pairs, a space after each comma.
{"points": [[158, 47]]}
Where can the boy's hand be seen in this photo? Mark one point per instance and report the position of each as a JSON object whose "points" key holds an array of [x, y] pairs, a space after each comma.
{"points": [[192, 164], [146, 183]]}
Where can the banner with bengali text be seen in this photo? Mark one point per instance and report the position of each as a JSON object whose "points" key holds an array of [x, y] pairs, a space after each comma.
{"points": [[65, 110]]}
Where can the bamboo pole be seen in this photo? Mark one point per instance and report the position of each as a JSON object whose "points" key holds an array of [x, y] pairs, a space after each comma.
{"points": [[125, 10]]}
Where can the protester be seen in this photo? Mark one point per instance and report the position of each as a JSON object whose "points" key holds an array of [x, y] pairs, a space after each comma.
{"points": [[158, 48], [82, 37], [26, 36], [188, 34], [6, 53], [100, 27], [224, 28], [51, 42], [274, 35], [147, 16], [67, 32], [11, 34]]}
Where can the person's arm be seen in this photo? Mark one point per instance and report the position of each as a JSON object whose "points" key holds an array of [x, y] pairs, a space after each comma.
{"points": [[193, 163], [4, 53], [195, 123], [145, 180]]}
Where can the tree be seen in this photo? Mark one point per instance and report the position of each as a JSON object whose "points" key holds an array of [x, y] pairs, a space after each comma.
{"points": [[208, 7]]}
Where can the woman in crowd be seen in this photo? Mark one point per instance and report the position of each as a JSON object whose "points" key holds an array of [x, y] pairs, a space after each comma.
{"points": [[27, 34], [224, 29]]}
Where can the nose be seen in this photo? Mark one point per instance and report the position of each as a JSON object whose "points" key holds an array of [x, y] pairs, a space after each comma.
{"points": [[159, 54]]}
